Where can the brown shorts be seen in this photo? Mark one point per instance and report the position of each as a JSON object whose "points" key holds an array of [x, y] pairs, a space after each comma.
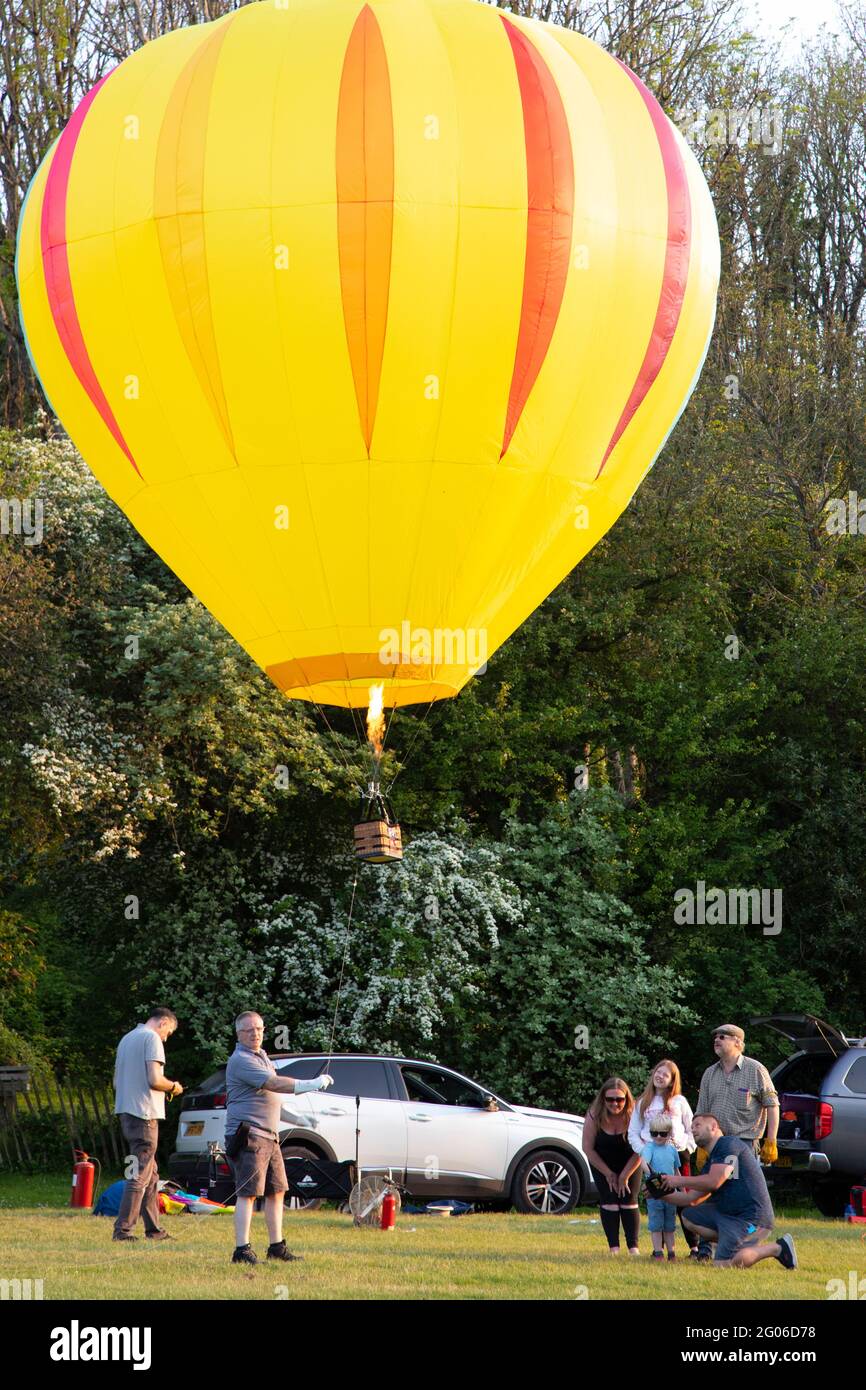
{"points": [[259, 1170]]}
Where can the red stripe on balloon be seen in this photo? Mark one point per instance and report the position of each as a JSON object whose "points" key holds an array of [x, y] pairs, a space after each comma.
{"points": [[58, 277], [676, 268], [549, 222]]}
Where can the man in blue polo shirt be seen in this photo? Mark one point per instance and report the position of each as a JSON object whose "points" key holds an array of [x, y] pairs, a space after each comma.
{"points": [[733, 1208]]}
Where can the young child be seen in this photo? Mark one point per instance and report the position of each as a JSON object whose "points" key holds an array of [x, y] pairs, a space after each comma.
{"points": [[657, 1157]]}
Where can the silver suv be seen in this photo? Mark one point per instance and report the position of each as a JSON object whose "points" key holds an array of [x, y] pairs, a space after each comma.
{"points": [[822, 1098], [440, 1134]]}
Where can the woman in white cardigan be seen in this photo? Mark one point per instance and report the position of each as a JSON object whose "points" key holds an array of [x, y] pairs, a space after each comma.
{"points": [[663, 1092]]}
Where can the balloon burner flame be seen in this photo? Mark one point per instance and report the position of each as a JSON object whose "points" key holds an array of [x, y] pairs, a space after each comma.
{"points": [[376, 721]]}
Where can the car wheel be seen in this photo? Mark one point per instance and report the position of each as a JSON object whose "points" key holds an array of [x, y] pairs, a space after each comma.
{"points": [[546, 1184], [300, 1203], [831, 1197]]}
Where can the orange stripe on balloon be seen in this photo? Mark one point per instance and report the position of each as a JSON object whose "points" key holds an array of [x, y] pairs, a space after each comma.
{"points": [[58, 275], [676, 268], [549, 221], [179, 211], [365, 207]]}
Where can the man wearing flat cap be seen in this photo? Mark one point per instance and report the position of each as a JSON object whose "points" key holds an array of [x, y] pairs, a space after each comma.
{"points": [[739, 1092]]}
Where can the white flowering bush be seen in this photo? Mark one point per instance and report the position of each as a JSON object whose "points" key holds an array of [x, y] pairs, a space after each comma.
{"points": [[406, 974], [484, 955], [417, 956], [89, 769], [76, 506]]}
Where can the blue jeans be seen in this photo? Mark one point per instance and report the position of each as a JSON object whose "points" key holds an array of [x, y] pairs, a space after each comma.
{"points": [[661, 1216], [731, 1232]]}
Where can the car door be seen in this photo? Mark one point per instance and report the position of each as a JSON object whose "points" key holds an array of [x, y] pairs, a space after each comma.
{"points": [[380, 1116], [456, 1146]]}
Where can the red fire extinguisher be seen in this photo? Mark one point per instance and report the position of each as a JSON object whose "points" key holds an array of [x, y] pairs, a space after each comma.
{"points": [[82, 1181], [389, 1211]]}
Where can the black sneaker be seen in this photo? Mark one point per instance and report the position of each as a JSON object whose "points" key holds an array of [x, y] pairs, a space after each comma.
{"points": [[159, 1235], [244, 1255], [787, 1255], [672, 1254], [279, 1252], [123, 1236]]}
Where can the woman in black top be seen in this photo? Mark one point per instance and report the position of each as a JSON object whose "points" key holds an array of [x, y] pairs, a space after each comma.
{"points": [[614, 1163]]}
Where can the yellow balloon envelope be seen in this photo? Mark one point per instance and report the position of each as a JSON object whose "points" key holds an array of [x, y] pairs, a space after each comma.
{"points": [[371, 318]]}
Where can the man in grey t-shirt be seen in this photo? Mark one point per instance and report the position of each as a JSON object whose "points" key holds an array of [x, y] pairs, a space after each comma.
{"points": [[253, 1091], [140, 1088]]}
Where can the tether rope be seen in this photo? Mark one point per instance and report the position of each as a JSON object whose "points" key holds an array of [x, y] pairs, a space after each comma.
{"points": [[237, 1191], [342, 971]]}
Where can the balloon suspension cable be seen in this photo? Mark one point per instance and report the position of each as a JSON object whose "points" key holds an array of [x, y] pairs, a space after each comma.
{"points": [[374, 790], [352, 770], [405, 763], [358, 724], [388, 727]]}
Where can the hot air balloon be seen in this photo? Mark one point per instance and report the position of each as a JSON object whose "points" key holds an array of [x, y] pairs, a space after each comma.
{"points": [[371, 317]]}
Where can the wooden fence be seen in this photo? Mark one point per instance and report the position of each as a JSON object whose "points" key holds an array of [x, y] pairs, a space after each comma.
{"points": [[83, 1112]]}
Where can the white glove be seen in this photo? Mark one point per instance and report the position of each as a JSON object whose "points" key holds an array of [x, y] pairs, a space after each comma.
{"points": [[318, 1083]]}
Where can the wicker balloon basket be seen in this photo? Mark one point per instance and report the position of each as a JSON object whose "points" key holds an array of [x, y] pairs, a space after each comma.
{"points": [[377, 836]]}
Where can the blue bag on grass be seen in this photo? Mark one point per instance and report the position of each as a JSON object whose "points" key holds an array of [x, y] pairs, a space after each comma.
{"points": [[108, 1203]]}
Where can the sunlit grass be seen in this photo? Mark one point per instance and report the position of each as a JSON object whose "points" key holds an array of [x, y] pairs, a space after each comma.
{"points": [[481, 1256]]}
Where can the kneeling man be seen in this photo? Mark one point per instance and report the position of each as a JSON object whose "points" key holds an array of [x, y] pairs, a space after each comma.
{"points": [[733, 1209]]}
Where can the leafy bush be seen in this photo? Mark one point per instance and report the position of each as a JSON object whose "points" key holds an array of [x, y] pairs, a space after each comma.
{"points": [[17, 1051]]}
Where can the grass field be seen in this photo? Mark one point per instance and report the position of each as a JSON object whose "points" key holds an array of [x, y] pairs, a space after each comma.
{"points": [[481, 1256]]}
